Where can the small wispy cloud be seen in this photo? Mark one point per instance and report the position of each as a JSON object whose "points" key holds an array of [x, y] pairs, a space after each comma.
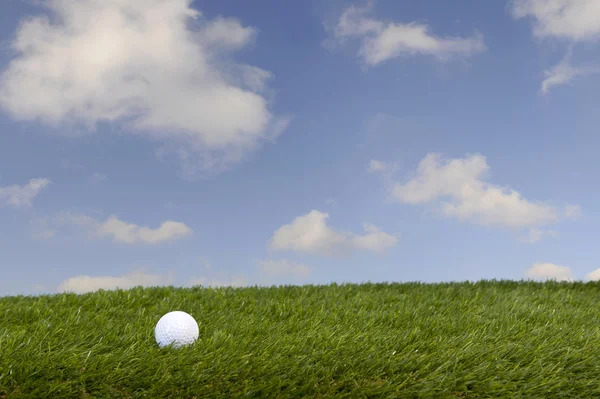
{"points": [[18, 196], [377, 166], [384, 40], [572, 212], [563, 73], [535, 235], [113, 228]]}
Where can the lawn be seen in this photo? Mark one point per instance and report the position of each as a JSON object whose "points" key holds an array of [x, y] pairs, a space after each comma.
{"points": [[489, 339]]}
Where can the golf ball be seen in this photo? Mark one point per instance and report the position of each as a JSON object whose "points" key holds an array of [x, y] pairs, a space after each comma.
{"points": [[177, 328]]}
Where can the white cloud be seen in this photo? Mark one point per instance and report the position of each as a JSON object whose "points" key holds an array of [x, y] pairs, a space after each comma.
{"points": [[383, 40], [570, 20], [113, 227], [564, 72], [549, 271], [138, 63], [311, 234], [284, 267], [374, 240], [85, 283], [234, 281], [576, 20], [22, 196], [535, 235], [130, 233], [308, 233], [468, 197]]}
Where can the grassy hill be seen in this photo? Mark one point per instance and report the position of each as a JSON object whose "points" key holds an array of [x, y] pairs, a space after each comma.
{"points": [[503, 339]]}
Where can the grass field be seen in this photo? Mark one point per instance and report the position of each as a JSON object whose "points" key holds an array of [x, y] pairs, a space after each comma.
{"points": [[490, 339]]}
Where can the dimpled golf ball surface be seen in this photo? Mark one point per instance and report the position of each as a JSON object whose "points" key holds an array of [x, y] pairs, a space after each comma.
{"points": [[177, 328]]}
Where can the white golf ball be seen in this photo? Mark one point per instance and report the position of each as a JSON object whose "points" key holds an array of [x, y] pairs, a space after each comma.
{"points": [[177, 328]]}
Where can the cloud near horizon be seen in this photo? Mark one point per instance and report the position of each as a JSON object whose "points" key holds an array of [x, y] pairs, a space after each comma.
{"points": [[458, 187], [85, 283], [549, 271], [384, 40], [139, 64], [311, 234], [266, 270]]}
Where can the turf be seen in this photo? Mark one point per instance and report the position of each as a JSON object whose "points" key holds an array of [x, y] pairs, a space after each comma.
{"points": [[489, 339]]}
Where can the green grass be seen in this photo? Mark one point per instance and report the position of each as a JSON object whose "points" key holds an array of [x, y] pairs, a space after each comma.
{"points": [[502, 339]]}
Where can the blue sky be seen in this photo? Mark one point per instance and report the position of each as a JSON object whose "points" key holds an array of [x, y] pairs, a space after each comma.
{"points": [[220, 143]]}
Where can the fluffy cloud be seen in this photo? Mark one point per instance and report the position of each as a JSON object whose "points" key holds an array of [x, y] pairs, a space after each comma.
{"points": [[112, 227], [284, 267], [22, 196], [576, 20], [131, 234], [85, 283], [138, 63], [311, 234], [549, 271], [373, 240], [469, 198], [382, 40], [571, 20]]}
